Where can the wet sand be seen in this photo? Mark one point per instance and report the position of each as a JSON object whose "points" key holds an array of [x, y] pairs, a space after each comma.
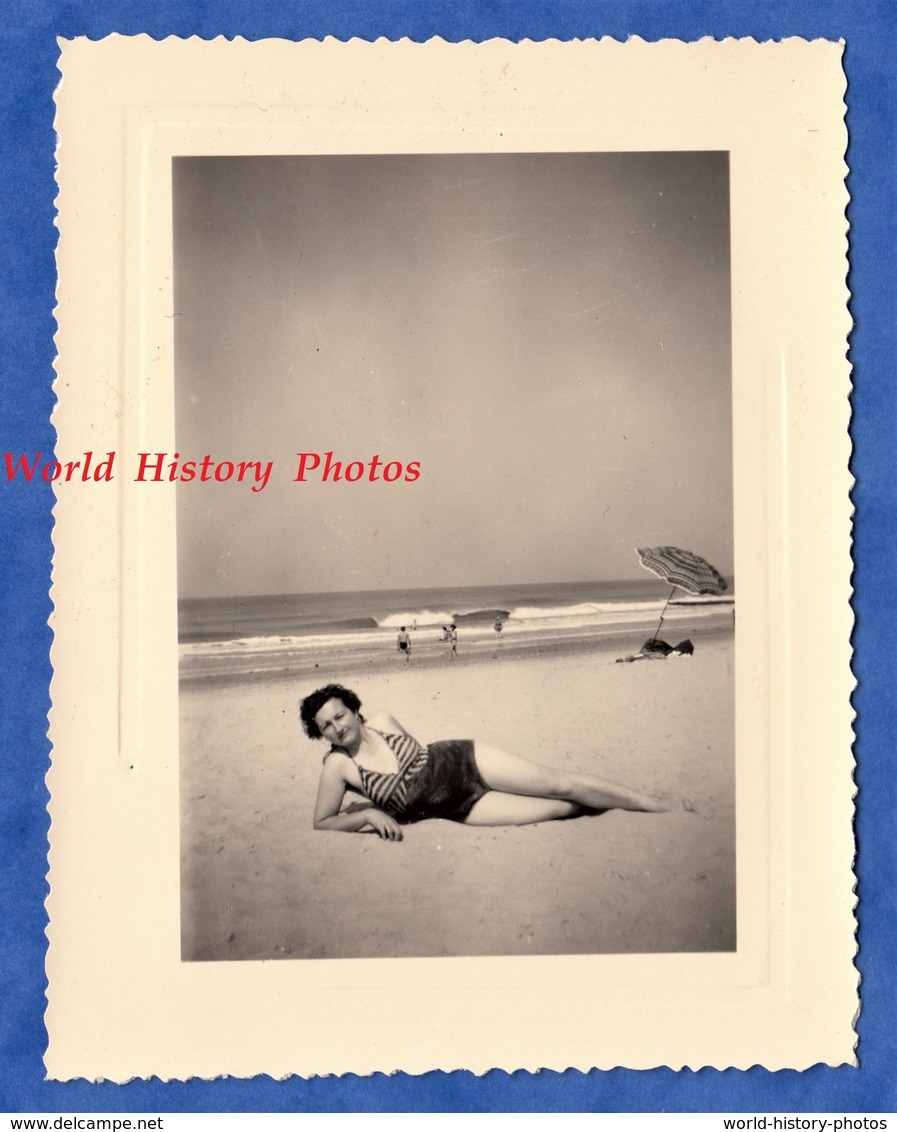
{"points": [[258, 882]]}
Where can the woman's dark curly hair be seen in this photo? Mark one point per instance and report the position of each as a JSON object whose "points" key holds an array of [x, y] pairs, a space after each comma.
{"points": [[312, 704]]}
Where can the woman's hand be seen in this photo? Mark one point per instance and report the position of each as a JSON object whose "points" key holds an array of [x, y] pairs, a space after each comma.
{"points": [[383, 825]]}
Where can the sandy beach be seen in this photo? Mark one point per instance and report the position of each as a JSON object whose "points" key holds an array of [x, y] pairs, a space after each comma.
{"points": [[258, 882]]}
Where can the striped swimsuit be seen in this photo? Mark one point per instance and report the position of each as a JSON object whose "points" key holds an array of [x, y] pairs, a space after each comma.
{"points": [[437, 781], [392, 792]]}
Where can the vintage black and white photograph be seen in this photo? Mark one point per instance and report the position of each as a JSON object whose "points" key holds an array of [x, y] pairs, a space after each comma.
{"points": [[456, 598], [469, 635]]}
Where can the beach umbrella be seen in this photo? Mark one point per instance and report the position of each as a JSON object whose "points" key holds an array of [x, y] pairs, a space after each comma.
{"points": [[682, 569]]}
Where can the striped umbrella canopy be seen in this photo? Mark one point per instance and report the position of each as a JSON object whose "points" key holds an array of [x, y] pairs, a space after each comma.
{"points": [[682, 568]]}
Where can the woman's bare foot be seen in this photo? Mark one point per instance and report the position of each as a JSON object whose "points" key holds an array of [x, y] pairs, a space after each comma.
{"points": [[655, 803], [664, 803]]}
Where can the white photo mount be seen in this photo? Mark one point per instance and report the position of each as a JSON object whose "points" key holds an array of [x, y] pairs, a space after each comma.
{"points": [[121, 1002]]}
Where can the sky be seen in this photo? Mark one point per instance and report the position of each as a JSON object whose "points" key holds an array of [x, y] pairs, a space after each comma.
{"points": [[547, 334]]}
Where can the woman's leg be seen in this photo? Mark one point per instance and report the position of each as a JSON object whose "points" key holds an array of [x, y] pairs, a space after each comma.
{"points": [[496, 808], [510, 774]]}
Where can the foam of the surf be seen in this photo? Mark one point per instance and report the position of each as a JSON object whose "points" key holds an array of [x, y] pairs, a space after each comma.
{"points": [[419, 617], [527, 622]]}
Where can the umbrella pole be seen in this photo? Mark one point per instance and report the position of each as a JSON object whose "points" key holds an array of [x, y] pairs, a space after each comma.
{"points": [[662, 612]]}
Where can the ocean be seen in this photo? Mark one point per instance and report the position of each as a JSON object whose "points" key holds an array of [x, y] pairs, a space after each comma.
{"points": [[298, 632]]}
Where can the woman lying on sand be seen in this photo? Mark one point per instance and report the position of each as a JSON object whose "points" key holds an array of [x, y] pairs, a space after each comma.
{"points": [[455, 778]]}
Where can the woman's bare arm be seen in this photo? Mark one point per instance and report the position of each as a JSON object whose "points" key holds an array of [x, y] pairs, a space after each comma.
{"points": [[336, 775], [368, 818]]}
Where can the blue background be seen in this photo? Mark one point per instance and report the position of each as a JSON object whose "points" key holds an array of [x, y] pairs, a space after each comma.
{"points": [[28, 55]]}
